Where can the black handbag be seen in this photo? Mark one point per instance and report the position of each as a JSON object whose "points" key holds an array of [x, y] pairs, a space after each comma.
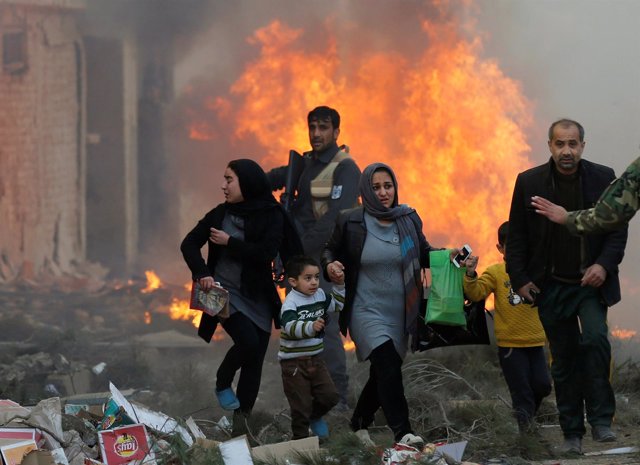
{"points": [[432, 335]]}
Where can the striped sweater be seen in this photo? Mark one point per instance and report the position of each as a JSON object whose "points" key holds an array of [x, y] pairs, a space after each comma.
{"points": [[299, 311]]}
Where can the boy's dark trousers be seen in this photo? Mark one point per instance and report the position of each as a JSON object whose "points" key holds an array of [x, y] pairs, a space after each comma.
{"points": [[525, 371], [309, 390]]}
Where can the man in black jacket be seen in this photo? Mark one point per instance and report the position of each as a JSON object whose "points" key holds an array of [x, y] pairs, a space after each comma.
{"points": [[328, 183], [572, 279]]}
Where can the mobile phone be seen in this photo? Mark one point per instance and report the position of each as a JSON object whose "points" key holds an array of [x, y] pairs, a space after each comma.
{"points": [[465, 251]]}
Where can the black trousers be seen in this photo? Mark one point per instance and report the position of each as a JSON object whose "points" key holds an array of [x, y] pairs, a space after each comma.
{"points": [[525, 371], [384, 389], [250, 345]]}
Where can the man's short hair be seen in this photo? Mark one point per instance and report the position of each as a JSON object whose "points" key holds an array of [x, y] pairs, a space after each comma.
{"points": [[565, 122], [324, 113], [296, 265], [503, 232]]}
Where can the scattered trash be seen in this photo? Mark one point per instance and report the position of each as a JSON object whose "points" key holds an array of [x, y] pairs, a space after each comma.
{"points": [[236, 451], [99, 368], [224, 424], [616, 451], [442, 453], [455, 450], [126, 444], [285, 451], [155, 420]]}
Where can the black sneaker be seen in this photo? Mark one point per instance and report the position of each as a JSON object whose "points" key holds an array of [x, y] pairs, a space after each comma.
{"points": [[603, 434]]}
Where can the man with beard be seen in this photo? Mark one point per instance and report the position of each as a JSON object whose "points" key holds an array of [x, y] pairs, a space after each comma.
{"points": [[327, 184], [572, 279]]}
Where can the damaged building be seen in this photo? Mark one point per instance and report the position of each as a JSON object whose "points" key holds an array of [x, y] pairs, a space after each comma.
{"points": [[84, 157]]}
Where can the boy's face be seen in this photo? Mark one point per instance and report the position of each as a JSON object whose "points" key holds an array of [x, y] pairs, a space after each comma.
{"points": [[308, 281], [502, 250]]}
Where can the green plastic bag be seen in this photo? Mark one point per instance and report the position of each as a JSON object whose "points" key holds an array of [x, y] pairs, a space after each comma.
{"points": [[445, 304]]}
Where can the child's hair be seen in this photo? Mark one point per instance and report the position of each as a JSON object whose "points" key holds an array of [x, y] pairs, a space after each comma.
{"points": [[503, 232], [296, 265]]}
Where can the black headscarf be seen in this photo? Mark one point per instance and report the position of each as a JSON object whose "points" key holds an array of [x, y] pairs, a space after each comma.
{"points": [[257, 198], [255, 188], [409, 242]]}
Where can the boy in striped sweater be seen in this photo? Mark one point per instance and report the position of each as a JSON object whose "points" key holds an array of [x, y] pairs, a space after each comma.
{"points": [[305, 378]]}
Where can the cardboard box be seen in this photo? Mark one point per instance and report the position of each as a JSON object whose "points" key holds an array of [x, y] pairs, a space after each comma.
{"points": [[285, 450], [13, 451], [39, 457], [18, 433], [127, 444]]}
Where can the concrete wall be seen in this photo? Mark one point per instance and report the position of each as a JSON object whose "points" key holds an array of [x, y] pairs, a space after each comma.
{"points": [[42, 144]]}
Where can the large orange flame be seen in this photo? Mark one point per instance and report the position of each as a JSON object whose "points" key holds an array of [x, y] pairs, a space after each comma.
{"points": [[449, 122]]}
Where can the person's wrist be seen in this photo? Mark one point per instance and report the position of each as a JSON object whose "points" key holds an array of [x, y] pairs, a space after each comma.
{"points": [[470, 275]]}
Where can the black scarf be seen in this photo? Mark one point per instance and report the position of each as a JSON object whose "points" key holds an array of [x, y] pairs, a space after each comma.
{"points": [[255, 188]]}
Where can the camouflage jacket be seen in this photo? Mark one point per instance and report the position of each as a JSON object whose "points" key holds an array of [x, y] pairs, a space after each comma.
{"points": [[617, 205]]}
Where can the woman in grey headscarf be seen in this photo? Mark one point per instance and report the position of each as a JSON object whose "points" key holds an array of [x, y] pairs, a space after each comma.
{"points": [[381, 250]]}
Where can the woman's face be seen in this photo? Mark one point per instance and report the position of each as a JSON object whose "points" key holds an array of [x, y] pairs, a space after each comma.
{"points": [[231, 187], [383, 187]]}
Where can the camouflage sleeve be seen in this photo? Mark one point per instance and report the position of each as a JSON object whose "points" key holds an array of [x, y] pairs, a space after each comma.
{"points": [[617, 205]]}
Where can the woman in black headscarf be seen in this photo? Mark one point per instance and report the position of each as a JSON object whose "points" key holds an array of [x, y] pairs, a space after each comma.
{"points": [[244, 235], [381, 250]]}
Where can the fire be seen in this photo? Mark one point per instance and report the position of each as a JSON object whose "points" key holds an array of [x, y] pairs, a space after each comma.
{"points": [[448, 121], [348, 344], [179, 310], [620, 333], [153, 282]]}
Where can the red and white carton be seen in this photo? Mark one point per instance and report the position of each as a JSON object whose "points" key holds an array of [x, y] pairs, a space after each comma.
{"points": [[126, 445]]}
